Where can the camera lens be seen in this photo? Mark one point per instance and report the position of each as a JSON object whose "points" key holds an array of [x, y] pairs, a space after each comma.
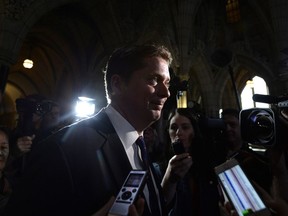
{"points": [[261, 126]]}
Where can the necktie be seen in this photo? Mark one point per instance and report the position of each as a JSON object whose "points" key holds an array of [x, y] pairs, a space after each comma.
{"points": [[144, 153], [153, 200]]}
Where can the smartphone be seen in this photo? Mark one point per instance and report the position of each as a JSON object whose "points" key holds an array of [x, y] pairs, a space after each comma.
{"points": [[178, 147], [239, 190], [133, 185]]}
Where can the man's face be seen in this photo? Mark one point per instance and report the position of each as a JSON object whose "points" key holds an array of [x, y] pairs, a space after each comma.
{"points": [[141, 99], [232, 133]]}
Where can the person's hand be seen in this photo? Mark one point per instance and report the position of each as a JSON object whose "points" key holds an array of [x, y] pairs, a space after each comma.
{"points": [[105, 209], [136, 209], [280, 173], [277, 161], [227, 209], [276, 204], [178, 166], [24, 143]]}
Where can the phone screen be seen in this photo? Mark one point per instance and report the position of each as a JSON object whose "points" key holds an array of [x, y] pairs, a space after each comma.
{"points": [[240, 190]]}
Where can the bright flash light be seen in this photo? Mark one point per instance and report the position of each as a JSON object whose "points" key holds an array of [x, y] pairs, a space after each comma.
{"points": [[85, 107]]}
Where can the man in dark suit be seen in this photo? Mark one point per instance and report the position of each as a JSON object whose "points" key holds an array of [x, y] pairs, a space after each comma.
{"points": [[77, 170]]}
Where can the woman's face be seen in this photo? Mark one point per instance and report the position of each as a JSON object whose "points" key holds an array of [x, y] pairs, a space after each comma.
{"points": [[181, 128], [4, 149]]}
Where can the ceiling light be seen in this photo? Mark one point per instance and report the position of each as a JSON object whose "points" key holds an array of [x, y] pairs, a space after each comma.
{"points": [[28, 63]]}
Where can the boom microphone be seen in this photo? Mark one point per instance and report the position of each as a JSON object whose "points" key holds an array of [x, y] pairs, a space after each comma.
{"points": [[268, 98], [265, 99]]}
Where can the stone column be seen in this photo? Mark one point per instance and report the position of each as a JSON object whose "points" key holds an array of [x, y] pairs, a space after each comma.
{"points": [[4, 70], [279, 20]]}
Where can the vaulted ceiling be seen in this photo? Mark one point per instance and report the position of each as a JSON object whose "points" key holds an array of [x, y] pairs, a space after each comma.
{"points": [[70, 41]]}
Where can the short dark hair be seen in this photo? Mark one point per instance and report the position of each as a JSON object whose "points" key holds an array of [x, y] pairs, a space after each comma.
{"points": [[6, 130], [125, 60], [187, 112], [191, 115], [197, 149]]}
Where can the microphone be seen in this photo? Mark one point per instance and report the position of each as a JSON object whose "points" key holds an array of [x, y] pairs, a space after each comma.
{"points": [[265, 99], [268, 98]]}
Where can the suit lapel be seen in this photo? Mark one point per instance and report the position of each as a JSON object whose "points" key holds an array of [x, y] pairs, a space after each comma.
{"points": [[158, 184], [116, 157], [113, 150]]}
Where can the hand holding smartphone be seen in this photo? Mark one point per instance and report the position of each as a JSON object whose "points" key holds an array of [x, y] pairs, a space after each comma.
{"points": [[178, 147], [239, 189]]}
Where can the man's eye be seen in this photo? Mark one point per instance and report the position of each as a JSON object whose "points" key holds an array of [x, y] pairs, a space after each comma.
{"points": [[153, 80], [174, 128]]}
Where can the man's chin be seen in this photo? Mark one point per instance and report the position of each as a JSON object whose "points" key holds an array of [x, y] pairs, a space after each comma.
{"points": [[156, 114]]}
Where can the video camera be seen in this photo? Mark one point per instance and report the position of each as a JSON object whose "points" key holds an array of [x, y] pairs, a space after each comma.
{"points": [[26, 107], [265, 127]]}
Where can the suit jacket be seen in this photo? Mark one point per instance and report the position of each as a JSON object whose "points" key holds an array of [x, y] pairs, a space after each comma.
{"points": [[74, 172]]}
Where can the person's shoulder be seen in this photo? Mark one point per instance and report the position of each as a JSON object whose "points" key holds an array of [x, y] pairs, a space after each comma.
{"points": [[85, 131], [96, 120]]}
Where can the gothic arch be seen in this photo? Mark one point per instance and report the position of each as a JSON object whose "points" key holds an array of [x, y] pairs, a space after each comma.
{"points": [[17, 20]]}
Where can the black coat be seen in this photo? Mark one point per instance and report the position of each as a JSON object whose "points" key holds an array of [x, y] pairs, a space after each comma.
{"points": [[74, 172]]}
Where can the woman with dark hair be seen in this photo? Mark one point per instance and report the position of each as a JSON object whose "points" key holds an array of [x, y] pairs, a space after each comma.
{"points": [[194, 188], [183, 126]]}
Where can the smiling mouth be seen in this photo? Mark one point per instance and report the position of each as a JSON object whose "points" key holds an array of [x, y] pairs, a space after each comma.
{"points": [[156, 106]]}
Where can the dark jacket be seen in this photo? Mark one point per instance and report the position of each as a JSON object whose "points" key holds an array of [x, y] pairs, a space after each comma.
{"points": [[74, 172]]}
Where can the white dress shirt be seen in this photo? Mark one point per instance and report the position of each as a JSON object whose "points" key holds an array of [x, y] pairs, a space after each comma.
{"points": [[128, 136]]}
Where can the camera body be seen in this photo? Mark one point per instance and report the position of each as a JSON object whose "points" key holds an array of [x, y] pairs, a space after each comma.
{"points": [[129, 192], [26, 107], [264, 127]]}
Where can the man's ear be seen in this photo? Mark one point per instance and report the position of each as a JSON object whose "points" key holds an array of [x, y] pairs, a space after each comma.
{"points": [[117, 84]]}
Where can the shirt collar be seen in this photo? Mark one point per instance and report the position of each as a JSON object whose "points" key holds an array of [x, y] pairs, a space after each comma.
{"points": [[126, 132]]}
